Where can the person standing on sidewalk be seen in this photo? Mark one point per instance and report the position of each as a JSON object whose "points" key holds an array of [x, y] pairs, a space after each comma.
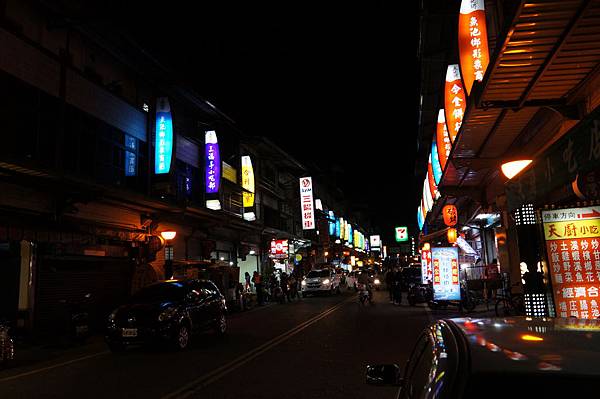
{"points": [[389, 282], [247, 278], [257, 280], [398, 279]]}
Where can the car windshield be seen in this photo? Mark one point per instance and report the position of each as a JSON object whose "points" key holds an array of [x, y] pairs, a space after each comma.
{"points": [[159, 293], [318, 273]]}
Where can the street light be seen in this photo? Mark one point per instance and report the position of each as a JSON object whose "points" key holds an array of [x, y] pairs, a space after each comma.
{"points": [[513, 168], [167, 236]]}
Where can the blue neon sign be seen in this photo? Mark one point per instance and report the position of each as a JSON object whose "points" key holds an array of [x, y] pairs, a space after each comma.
{"points": [[163, 148], [435, 163]]}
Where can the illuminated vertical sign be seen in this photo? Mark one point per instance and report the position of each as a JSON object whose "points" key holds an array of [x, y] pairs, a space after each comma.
{"points": [[435, 163], [375, 243], [307, 203], [442, 140], [213, 162], [472, 42], [163, 145], [446, 285], [420, 220], [332, 223], [337, 228], [247, 182], [455, 102], [431, 180], [130, 155], [427, 200], [426, 269]]}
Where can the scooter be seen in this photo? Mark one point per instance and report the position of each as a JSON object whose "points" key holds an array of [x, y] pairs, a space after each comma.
{"points": [[364, 294], [419, 293], [7, 345], [78, 323]]}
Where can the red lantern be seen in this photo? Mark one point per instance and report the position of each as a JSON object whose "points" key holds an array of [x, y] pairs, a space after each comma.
{"points": [[452, 235], [450, 214]]}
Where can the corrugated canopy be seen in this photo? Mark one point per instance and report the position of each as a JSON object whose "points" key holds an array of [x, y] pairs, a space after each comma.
{"points": [[550, 49]]}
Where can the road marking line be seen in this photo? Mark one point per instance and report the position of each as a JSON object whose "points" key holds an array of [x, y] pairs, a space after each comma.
{"points": [[54, 366], [201, 382]]}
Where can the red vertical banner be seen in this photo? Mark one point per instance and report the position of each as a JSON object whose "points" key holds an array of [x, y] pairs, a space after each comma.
{"points": [[455, 101], [436, 272], [426, 272], [454, 271], [573, 248], [472, 42]]}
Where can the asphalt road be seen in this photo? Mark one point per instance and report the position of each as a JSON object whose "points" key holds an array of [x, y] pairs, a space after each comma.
{"points": [[314, 348]]}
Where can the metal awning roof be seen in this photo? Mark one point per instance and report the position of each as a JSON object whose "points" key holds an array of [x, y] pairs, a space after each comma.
{"points": [[549, 51]]}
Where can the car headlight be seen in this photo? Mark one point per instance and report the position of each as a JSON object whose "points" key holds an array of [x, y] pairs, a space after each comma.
{"points": [[377, 281], [326, 281], [303, 282], [167, 314]]}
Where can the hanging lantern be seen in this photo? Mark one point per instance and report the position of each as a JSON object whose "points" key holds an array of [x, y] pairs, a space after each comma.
{"points": [[450, 214], [452, 235], [426, 247]]}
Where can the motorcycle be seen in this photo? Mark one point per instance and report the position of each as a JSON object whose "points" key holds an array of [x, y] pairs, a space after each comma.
{"points": [[364, 294], [7, 345], [78, 319], [419, 293]]}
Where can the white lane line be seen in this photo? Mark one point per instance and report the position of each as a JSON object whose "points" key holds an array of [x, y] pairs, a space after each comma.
{"points": [[203, 381], [54, 366]]}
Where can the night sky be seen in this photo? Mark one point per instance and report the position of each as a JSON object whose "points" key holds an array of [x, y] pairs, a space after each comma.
{"points": [[332, 83]]}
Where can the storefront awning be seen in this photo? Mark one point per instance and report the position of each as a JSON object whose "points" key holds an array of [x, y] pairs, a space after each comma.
{"points": [[550, 50]]}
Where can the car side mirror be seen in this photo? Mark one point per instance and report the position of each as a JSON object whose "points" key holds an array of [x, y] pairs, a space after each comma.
{"points": [[383, 374]]}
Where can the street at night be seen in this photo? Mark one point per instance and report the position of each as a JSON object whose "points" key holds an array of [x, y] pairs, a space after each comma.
{"points": [[314, 199], [316, 347]]}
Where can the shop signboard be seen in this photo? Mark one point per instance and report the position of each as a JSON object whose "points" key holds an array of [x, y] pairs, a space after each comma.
{"points": [[442, 140], [279, 249], [401, 234], [247, 182], [426, 267], [212, 162], [446, 284], [472, 42], [332, 222], [163, 145], [337, 228], [420, 220], [435, 164], [130, 155], [375, 243], [307, 203], [431, 181], [454, 101], [573, 248]]}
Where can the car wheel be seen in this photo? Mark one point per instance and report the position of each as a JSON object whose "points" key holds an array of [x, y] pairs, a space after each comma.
{"points": [[182, 337], [221, 326]]}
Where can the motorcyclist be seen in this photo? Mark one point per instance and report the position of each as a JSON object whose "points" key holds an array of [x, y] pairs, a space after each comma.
{"points": [[365, 279]]}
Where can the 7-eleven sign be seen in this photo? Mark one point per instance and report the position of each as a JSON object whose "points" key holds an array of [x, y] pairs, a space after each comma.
{"points": [[401, 234]]}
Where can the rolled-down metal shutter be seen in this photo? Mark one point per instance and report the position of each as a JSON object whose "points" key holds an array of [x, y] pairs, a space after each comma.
{"points": [[108, 280]]}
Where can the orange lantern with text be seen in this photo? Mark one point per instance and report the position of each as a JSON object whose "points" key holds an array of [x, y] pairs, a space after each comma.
{"points": [[472, 42], [450, 214], [455, 101], [452, 235]]}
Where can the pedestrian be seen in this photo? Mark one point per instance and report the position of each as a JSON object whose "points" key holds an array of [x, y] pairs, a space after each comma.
{"points": [[247, 278], [285, 291], [398, 281], [257, 280], [293, 286], [389, 282]]}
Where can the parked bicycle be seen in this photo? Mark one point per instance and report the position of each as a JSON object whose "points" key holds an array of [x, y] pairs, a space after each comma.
{"points": [[509, 303], [7, 345]]}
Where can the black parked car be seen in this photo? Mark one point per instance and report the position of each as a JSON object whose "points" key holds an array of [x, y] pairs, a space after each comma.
{"points": [[168, 311]]}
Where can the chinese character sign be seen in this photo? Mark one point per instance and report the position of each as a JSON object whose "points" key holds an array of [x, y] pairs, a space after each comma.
{"points": [[435, 163], [442, 140], [279, 248], [307, 203], [401, 234], [446, 285], [426, 267], [573, 248], [450, 215], [247, 181], [130, 155], [431, 181], [472, 42], [213, 162], [455, 102], [163, 145]]}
